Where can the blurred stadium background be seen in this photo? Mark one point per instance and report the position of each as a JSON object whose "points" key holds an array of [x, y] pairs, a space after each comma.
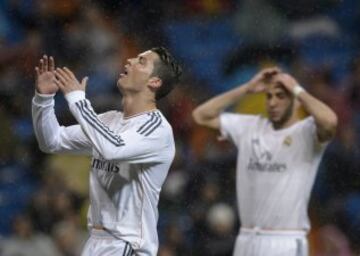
{"points": [[221, 43]]}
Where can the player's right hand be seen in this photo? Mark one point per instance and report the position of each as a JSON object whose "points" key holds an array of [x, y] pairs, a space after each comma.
{"points": [[45, 76], [259, 82]]}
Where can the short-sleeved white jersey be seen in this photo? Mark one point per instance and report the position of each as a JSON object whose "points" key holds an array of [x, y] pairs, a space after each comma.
{"points": [[276, 170], [130, 161]]}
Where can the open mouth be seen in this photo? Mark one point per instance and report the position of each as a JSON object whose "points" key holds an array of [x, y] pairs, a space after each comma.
{"points": [[125, 73]]}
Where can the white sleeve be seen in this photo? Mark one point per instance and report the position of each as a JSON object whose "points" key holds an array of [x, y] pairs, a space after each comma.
{"points": [[52, 137], [133, 145], [233, 126], [309, 131]]}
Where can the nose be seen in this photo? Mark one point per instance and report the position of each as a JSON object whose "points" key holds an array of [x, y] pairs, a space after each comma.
{"points": [[272, 102], [129, 61]]}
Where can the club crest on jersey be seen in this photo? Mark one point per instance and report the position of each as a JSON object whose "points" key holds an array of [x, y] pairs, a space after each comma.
{"points": [[287, 141]]}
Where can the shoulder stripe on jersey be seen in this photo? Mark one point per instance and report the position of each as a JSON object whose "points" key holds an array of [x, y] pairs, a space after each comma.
{"points": [[99, 123], [154, 122], [116, 139], [156, 119], [89, 120], [91, 123], [147, 122], [153, 128]]}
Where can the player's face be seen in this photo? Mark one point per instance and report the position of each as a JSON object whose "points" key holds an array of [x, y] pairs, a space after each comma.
{"points": [[279, 104], [138, 71]]}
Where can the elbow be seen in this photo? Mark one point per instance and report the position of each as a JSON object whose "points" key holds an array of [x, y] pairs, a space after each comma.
{"points": [[330, 126], [46, 149], [209, 120], [198, 117], [333, 123]]}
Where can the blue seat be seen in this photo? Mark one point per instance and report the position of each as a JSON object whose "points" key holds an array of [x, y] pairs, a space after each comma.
{"points": [[202, 46], [14, 198], [334, 53]]}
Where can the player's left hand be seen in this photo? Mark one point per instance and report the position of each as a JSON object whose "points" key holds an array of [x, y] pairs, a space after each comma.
{"points": [[259, 82], [286, 80], [67, 82]]}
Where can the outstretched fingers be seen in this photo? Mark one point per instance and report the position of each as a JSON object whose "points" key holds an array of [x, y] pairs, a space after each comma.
{"points": [[69, 73], [84, 82], [37, 72], [41, 66], [46, 63], [59, 84], [61, 75], [51, 64]]}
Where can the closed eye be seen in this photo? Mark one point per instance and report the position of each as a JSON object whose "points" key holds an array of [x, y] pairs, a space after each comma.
{"points": [[142, 60]]}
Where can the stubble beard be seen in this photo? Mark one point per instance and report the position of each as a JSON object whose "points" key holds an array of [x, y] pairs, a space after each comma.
{"points": [[285, 117]]}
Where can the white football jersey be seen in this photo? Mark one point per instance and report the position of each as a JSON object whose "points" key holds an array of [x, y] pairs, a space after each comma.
{"points": [[276, 170], [130, 161]]}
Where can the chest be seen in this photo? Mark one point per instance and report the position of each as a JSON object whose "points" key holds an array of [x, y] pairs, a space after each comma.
{"points": [[268, 147], [112, 174], [107, 173]]}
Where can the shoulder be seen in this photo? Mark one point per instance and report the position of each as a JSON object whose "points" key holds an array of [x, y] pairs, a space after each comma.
{"points": [[156, 130], [109, 115], [237, 118], [305, 128], [306, 123], [154, 123]]}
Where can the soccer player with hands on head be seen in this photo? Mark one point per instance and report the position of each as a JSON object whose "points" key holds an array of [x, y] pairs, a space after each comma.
{"points": [[278, 157]]}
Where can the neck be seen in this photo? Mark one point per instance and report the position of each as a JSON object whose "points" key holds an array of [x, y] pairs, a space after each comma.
{"points": [[287, 123], [136, 104]]}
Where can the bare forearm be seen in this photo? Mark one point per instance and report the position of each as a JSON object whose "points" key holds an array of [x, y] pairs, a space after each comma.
{"points": [[208, 113], [325, 117], [213, 107]]}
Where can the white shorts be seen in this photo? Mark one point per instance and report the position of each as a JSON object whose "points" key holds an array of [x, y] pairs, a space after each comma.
{"points": [[255, 242], [102, 243]]}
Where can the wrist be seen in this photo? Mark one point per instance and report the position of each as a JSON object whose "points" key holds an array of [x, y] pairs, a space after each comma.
{"points": [[43, 99], [247, 88], [297, 90], [74, 96]]}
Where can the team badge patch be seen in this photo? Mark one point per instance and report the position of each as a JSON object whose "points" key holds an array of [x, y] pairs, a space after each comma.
{"points": [[287, 141]]}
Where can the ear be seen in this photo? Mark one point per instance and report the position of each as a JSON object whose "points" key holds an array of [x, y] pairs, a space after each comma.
{"points": [[155, 82]]}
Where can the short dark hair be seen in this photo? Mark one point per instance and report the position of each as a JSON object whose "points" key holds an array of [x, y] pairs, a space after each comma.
{"points": [[167, 69]]}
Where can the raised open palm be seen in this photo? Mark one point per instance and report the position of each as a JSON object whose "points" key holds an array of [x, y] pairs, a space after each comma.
{"points": [[45, 76]]}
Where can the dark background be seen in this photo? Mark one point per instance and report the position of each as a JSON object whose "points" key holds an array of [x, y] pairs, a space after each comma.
{"points": [[221, 43]]}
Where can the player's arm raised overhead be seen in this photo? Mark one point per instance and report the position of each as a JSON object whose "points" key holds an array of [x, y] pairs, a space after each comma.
{"points": [[146, 143], [207, 114], [325, 118], [52, 137]]}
